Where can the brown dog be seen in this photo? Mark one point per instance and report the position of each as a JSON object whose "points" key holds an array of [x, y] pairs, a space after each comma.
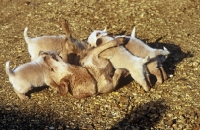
{"points": [[83, 82]]}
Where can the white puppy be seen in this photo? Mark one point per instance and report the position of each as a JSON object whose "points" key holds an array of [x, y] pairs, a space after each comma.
{"points": [[63, 45], [32, 74], [95, 35], [140, 49], [121, 58]]}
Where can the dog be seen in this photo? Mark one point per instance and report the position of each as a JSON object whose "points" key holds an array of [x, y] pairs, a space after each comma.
{"points": [[121, 58], [85, 81], [140, 49], [28, 75], [71, 78], [65, 45]]}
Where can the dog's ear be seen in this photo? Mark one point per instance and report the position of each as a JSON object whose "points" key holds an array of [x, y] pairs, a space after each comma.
{"points": [[64, 85], [99, 42]]}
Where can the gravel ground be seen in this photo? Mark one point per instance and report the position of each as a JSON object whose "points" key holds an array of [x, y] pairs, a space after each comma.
{"points": [[175, 104]]}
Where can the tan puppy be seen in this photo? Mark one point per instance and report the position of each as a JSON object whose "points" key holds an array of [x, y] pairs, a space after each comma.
{"points": [[71, 78], [82, 82], [101, 68], [140, 49], [32, 74], [121, 58], [65, 46]]}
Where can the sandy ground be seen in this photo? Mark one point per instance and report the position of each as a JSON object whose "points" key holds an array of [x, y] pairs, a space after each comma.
{"points": [[175, 104]]}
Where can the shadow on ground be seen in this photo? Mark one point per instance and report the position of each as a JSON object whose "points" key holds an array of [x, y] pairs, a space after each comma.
{"points": [[176, 56], [145, 116]]}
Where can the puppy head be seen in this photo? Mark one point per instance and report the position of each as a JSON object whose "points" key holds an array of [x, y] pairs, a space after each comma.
{"points": [[95, 35], [57, 66]]}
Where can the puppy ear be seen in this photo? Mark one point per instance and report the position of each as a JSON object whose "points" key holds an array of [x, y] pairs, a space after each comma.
{"points": [[63, 87], [99, 42]]}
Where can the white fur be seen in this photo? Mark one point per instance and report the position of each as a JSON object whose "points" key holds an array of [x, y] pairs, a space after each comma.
{"points": [[32, 74], [121, 58], [140, 49], [93, 36]]}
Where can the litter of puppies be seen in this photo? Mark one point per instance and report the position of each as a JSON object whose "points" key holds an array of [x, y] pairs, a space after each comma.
{"points": [[86, 68]]}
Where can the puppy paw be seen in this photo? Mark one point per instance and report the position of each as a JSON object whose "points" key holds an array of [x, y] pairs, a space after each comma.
{"points": [[146, 88], [158, 82]]}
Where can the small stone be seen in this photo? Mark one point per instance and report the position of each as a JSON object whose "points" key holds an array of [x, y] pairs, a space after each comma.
{"points": [[169, 122], [124, 99], [49, 3], [52, 128], [8, 108], [60, 127]]}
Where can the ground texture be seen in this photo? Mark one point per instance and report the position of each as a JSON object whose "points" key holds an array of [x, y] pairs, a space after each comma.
{"points": [[175, 104]]}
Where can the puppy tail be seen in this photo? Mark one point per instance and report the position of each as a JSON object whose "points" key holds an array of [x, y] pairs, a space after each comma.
{"points": [[163, 52], [26, 38], [8, 71]]}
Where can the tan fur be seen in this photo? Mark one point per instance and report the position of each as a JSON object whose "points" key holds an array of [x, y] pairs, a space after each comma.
{"points": [[121, 58], [65, 46], [70, 78], [32, 74], [140, 49], [82, 82], [102, 69]]}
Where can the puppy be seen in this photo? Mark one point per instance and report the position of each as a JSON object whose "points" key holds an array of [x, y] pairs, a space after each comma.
{"points": [[65, 46], [95, 35], [74, 79], [121, 58], [101, 68], [140, 49], [32, 74], [85, 81]]}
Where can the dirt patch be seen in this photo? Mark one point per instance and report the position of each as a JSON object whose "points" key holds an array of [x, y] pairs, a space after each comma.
{"points": [[173, 104]]}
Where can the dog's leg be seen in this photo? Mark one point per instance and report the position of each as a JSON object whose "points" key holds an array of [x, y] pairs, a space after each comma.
{"points": [[147, 75], [164, 75], [156, 71], [118, 73], [153, 69], [113, 43], [22, 96], [140, 78]]}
